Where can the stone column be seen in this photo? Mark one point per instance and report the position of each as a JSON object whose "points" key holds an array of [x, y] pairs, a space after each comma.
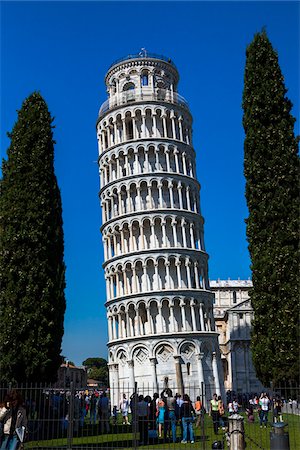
{"points": [[201, 373], [120, 328], [170, 186], [177, 264], [163, 225], [155, 126], [247, 366], [114, 383], [109, 328], [188, 271], [188, 200], [184, 163], [201, 316], [111, 282], [193, 315], [145, 278], [131, 374], [161, 318], [157, 280], [139, 198], [178, 372], [134, 128], [192, 235], [173, 127], [196, 274], [168, 285], [176, 160], [183, 224], [180, 128], [182, 306], [116, 140], [128, 330], [165, 126], [174, 233], [236, 432], [129, 208], [136, 162], [149, 319], [233, 366], [107, 288], [142, 236], [117, 285], [172, 318], [156, 159], [126, 164], [150, 196], [167, 153], [114, 327], [216, 373], [134, 281], [115, 245], [160, 194], [153, 363], [144, 126], [147, 161], [180, 195]]}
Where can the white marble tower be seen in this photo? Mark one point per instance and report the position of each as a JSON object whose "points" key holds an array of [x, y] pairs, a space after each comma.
{"points": [[159, 305]]}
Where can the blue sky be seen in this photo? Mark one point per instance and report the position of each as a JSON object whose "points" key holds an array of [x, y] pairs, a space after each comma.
{"points": [[63, 49]]}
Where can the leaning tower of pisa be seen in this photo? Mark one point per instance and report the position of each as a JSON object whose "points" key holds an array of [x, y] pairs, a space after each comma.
{"points": [[161, 329]]}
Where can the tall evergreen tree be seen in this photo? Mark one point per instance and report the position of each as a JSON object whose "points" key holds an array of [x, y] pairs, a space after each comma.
{"points": [[271, 168], [32, 270]]}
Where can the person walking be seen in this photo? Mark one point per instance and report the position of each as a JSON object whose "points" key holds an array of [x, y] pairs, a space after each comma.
{"points": [[143, 414], [187, 412], [14, 419], [171, 416], [221, 410], [198, 411], [104, 412], [160, 414], [277, 409], [93, 409], [153, 412], [124, 407], [214, 412]]}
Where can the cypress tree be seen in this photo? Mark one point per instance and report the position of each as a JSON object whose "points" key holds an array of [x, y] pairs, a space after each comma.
{"points": [[271, 168], [32, 270]]}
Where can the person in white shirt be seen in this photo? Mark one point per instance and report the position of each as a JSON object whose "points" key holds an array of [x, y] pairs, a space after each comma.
{"points": [[264, 402], [124, 407]]}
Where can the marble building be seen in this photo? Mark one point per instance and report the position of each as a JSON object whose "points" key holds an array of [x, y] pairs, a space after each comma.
{"points": [[159, 304], [233, 315]]}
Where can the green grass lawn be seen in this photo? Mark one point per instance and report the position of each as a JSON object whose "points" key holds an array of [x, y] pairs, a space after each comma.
{"points": [[121, 437]]}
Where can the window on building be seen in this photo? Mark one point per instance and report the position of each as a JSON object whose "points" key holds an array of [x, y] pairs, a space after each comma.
{"points": [[145, 79], [241, 315], [128, 87], [234, 296]]}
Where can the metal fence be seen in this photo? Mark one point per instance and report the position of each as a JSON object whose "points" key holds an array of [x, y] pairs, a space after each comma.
{"points": [[76, 418]]}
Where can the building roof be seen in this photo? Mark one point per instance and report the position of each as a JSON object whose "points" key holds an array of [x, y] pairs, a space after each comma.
{"points": [[231, 283]]}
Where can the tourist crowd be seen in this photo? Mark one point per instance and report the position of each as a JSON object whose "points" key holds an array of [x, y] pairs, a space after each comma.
{"points": [[165, 416]]}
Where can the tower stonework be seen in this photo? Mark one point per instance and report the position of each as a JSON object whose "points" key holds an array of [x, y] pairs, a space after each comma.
{"points": [[161, 329]]}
